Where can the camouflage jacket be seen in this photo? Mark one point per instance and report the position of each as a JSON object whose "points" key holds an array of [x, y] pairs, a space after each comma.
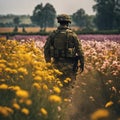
{"points": [[72, 36]]}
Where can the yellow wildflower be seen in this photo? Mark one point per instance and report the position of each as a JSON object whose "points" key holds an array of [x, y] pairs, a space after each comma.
{"points": [[0, 70], [55, 98], [23, 70], [16, 106], [38, 72], [56, 89], [37, 78], [9, 109], [43, 111], [28, 58], [28, 102], [15, 88], [25, 111], [14, 71], [2, 65], [3, 86], [33, 74], [45, 87], [22, 100], [14, 42], [108, 104], [36, 85], [5, 111], [8, 70], [67, 100], [50, 77], [58, 72], [3, 61], [59, 83], [36, 63], [21, 77], [67, 80], [13, 65], [8, 77], [48, 64], [100, 114], [22, 94]]}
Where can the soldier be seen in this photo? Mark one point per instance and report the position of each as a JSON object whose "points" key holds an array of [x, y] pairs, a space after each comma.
{"points": [[65, 48]]}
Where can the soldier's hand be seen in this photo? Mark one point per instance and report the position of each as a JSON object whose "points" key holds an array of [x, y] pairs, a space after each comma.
{"points": [[48, 60], [81, 64], [81, 68], [75, 68]]}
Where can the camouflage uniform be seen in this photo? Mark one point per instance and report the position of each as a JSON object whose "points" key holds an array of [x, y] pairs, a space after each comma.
{"points": [[65, 63]]}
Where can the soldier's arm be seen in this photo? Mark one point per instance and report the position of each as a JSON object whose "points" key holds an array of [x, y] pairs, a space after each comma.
{"points": [[79, 51], [78, 46], [47, 50]]}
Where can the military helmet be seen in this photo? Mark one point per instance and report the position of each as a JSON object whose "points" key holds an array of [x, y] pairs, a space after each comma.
{"points": [[64, 17]]}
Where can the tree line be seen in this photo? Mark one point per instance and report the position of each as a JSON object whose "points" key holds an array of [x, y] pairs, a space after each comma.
{"points": [[45, 16], [107, 16]]}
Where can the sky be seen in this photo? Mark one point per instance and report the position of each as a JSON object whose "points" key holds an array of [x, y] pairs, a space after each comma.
{"points": [[26, 7]]}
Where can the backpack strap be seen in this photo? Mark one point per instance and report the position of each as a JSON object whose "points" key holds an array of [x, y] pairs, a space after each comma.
{"points": [[67, 31], [53, 37]]}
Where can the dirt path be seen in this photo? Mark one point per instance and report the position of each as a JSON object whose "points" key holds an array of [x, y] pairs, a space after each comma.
{"points": [[87, 97]]}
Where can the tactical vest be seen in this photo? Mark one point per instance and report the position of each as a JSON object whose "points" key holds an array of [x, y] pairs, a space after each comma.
{"points": [[62, 45]]}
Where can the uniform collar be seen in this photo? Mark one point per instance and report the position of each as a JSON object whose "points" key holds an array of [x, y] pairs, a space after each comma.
{"points": [[63, 27]]}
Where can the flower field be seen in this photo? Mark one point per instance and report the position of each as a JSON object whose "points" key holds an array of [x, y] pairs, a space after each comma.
{"points": [[30, 89], [98, 88]]}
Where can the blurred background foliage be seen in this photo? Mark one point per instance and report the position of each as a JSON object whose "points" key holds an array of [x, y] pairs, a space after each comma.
{"points": [[107, 17]]}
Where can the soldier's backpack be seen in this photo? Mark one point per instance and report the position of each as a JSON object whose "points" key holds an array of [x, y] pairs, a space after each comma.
{"points": [[62, 45]]}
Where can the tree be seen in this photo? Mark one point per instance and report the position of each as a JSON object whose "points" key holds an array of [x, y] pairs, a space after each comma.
{"points": [[16, 21], [36, 17], [89, 23], [117, 7], [79, 18], [117, 13], [105, 14], [83, 20], [44, 16], [23, 29], [49, 15]]}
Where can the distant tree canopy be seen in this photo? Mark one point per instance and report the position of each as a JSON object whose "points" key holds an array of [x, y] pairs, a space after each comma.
{"points": [[107, 14], [79, 18], [16, 21], [107, 17], [44, 16], [82, 20]]}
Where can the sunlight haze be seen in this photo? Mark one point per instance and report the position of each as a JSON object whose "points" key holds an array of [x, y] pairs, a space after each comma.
{"points": [[26, 7]]}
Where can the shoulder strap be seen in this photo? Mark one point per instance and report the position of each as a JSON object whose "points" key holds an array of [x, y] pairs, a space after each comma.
{"points": [[56, 32], [67, 37], [52, 38]]}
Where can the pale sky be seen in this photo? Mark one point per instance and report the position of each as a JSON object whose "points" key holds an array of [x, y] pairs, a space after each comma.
{"points": [[26, 7]]}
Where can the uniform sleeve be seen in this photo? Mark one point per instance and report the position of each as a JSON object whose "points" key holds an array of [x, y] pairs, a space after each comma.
{"points": [[78, 45], [47, 49], [78, 48]]}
